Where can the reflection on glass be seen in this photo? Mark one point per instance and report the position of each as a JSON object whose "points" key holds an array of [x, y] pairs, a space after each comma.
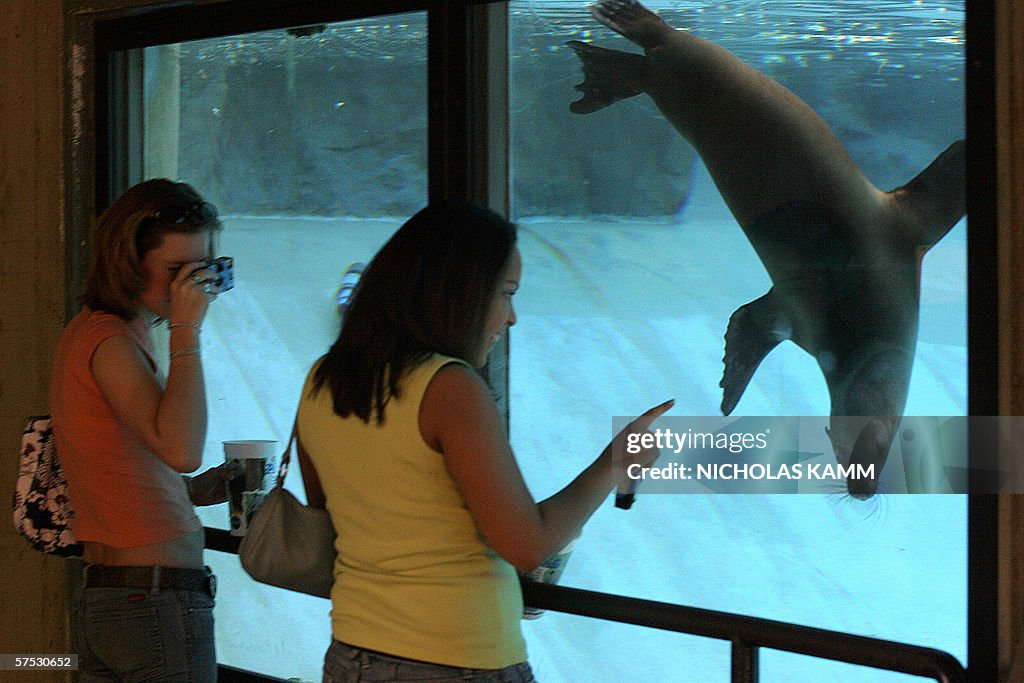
{"points": [[620, 216], [313, 145]]}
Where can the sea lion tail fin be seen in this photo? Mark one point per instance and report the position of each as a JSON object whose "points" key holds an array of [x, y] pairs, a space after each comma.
{"points": [[937, 195], [754, 330], [608, 76]]}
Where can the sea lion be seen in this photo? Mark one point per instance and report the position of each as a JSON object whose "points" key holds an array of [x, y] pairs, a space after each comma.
{"points": [[844, 257]]}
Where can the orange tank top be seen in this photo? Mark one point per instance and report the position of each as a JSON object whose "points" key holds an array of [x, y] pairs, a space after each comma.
{"points": [[123, 495]]}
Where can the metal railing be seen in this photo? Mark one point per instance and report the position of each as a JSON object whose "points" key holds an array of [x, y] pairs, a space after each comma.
{"points": [[748, 635]]}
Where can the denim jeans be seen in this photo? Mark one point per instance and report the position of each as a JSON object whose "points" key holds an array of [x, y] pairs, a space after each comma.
{"points": [[347, 664], [133, 634]]}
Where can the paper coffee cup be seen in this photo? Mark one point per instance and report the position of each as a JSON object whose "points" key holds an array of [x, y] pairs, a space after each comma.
{"points": [[257, 460], [549, 572]]}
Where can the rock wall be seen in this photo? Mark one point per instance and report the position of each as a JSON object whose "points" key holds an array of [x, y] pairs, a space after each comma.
{"points": [[271, 135], [336, 125], [269, 131]]}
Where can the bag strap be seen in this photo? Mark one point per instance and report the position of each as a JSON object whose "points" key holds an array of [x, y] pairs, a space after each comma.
{"points": [[282, 469]]}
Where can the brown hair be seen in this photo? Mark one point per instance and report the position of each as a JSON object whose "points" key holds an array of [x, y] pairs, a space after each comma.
{"points": [[127, 231], [426, 291]]}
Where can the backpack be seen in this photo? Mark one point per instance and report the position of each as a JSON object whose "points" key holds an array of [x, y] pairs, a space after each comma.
{"points": [[42, 508]]}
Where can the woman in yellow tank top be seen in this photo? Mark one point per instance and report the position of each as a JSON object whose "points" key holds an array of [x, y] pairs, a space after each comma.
{"points": [[401, 441]]}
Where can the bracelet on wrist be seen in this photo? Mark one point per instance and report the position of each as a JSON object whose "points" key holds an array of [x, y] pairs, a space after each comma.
{"points": [[195, 326], [191, 351]]}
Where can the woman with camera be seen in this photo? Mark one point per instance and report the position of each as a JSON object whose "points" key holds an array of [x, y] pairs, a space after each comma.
{"points": [[400, 439], [127, 433]]}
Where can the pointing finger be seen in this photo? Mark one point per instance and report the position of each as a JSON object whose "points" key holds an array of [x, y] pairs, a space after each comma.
{"points": [[645, 420]]}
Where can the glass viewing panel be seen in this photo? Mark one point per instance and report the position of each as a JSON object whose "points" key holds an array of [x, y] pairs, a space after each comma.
{"points": [[313, 145], [619, 217]]}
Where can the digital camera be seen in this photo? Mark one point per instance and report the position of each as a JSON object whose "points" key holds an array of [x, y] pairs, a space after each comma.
{"points": [[224, 270]]}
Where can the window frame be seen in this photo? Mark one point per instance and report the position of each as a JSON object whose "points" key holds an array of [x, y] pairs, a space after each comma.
{"points": [[468, 157], [983, 335]]}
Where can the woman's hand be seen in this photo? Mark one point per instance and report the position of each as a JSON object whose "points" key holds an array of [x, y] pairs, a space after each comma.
{"points": [[627, 449], [189, 298], [625, 462], [208, 488]]}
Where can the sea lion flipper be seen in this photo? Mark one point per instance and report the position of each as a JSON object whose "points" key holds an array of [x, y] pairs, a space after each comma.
{"points": [[754, 330], [608, 76], [937, 197], [632, 20]]}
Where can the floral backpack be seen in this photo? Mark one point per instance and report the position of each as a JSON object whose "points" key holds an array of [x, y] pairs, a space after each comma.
{"points": [[42, 509]]}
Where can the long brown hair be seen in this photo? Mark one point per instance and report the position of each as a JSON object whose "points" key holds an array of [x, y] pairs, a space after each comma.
{"points": [[426, 291], [131, 227]]}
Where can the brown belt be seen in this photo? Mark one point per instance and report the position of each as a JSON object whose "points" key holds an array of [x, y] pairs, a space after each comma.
{"points": [[151, 578]]}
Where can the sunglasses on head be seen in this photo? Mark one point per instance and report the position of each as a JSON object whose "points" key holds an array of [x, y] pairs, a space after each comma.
{"points": [[199, 212]]}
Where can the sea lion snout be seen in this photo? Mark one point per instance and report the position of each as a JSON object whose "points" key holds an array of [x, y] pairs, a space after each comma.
{"points": [[863, 461]]}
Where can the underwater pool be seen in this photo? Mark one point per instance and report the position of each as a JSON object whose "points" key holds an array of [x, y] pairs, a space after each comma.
{"points": [[633, 265], [892, 567]]}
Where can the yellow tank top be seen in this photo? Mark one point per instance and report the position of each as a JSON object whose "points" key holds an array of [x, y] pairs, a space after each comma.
{"points": [[413, 576]]}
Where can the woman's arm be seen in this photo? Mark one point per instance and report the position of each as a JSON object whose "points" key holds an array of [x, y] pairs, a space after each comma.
{"points": [[210, 487], [170, 420], [459, 419]]}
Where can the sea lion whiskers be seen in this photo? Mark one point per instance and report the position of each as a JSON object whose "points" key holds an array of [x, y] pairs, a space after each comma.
{"points": [[874, 508]]}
